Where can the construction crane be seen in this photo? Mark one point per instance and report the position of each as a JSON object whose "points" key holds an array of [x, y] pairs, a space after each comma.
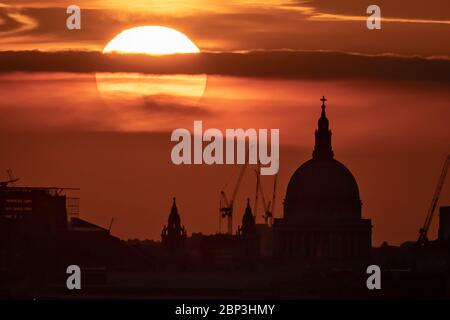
{"points": [[258, 183], [423, 232], [274, 191], [11, 180], [110, 225], [268, 206], [226, 206]]}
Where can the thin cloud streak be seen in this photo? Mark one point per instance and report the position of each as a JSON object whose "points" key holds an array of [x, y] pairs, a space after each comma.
{"points": [[336, 17]]}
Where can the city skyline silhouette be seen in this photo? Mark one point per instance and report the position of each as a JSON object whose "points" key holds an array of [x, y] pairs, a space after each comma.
{"points": [[322, 231], [93, 93]]}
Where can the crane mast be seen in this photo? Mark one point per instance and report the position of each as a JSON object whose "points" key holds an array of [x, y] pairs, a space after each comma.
{"points": [[423, 232], [268, 206], [255, 206], [226, 207], [273, 199]]}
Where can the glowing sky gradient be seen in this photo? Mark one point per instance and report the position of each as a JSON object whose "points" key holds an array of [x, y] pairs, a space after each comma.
{"points": [[392, 135], [109, 134], [408, 27]]}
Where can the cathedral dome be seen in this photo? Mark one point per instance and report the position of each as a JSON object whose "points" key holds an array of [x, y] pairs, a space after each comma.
{"points": [[322, 186]]}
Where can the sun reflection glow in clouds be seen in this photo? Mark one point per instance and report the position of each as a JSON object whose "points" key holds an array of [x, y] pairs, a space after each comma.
{"points": [[141, 93]]}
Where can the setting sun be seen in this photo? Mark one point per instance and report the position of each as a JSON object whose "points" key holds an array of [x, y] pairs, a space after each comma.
{"points": [[154, 40]]}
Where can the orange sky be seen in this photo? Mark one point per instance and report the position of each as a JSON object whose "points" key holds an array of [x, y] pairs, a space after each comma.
{"points": [[392, 135], [67, 129], [409, 27]]}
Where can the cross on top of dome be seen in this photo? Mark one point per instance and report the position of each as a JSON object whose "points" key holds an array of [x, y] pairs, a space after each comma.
{"points": [[323, 99], [322, 148]]}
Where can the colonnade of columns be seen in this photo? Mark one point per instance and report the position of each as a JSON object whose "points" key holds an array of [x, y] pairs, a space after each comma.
{"points": [[321, 244]]}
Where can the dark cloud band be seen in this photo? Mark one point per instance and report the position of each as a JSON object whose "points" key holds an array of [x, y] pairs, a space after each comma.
{"points": [[277, 64]]}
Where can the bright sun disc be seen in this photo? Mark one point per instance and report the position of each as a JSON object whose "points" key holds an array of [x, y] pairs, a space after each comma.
{"points": [[154, 40]]}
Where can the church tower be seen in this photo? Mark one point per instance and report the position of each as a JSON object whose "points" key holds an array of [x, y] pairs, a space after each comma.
{"points": [[248, 237], [173, 234]]}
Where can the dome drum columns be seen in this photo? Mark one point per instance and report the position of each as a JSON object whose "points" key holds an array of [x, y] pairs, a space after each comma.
{"points": [[323, 244]]}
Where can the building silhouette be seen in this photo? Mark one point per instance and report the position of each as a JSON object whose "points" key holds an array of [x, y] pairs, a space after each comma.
{"points": [[322, 208], [31, 219], [38, 241], [173, 235], [444, 225]]}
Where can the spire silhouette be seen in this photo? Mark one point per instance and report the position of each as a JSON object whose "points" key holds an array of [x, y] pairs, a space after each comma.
{"points": [[174, 233], [174, 217], [322, 147], [248, 220]]}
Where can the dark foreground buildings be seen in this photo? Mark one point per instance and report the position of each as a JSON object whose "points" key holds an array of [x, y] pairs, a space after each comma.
{"points": [[38, 242], [319, 249]]}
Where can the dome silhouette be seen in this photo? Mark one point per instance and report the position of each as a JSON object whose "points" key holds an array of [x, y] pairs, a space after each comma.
{"points": [[322, 187]]}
